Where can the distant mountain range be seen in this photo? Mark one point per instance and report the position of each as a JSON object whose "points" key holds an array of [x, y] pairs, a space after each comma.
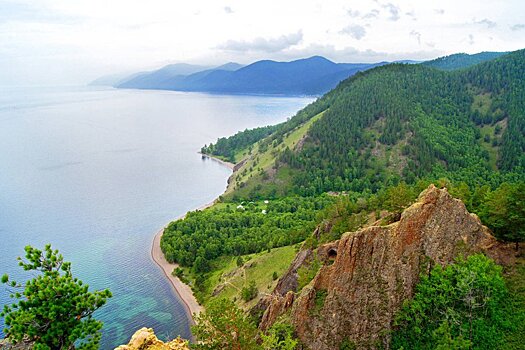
{"points": [[111, 79], [150, 79], [310, 76], [168, 77]]}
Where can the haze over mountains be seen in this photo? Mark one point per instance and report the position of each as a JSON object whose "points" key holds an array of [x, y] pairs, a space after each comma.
{"points": [[309, 76]]}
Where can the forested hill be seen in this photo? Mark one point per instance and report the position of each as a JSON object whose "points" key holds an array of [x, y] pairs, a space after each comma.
{"points": [[352, 161], [462, 60], [399, 122]]}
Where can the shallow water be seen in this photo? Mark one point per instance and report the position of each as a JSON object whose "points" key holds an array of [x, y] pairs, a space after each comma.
{"points": [[96, 172]]}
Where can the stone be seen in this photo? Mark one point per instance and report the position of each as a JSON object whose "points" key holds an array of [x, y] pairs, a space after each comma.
{"points": [[145, 339]]}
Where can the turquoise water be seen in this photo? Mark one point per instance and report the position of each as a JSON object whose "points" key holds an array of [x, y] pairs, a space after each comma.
{"points": [[96, 172]]}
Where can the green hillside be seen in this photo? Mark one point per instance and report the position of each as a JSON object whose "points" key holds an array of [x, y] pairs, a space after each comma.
{"points": [[462, 60], [355, 157], [405, 122]]}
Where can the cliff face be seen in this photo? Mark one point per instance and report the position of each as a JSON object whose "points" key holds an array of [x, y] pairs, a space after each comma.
{"points": [[145, 339], [283, 295], [377, 268]]}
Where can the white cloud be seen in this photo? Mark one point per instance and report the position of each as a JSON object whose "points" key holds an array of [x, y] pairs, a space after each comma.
{"points": [[353, 54], [64, 41], [393, 10], [355, 31], [264, 45]]}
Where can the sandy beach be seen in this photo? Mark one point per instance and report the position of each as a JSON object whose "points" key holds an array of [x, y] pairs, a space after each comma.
{"points": [[183, 290]]}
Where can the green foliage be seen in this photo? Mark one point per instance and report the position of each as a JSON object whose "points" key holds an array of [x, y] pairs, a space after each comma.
{"points": [[54, 309], [200, 265], [226, 147], [240, 261], [320, 297], [279, 337], [275, 276], [395, 199], [428, 108], [307, 273], [446, 341], [504, 212], [226, 280], [224, 326], [515, 307], [209, 234], [347, 344], [462, 60], [250, 292], [179, 273], [461, 305]]}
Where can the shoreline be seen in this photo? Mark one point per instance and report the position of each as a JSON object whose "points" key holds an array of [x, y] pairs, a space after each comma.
{"points": [[220, 161], [183, 291]]}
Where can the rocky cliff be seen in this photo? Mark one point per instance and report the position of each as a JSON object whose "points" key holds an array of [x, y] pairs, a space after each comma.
{"points": [[145, 339], [372, 271]]}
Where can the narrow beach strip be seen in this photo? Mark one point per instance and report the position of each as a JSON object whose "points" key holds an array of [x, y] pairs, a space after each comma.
{"points": [[184, 291]]}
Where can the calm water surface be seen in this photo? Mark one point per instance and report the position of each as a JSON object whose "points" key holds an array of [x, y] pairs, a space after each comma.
{"points": [[96, 172]]}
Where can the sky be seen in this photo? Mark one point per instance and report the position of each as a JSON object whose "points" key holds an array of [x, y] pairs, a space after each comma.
{"points": [[61, 42]]}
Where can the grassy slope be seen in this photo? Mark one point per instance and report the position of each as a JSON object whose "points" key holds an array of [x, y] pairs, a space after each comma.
{"points": [[482, 103], [228, 279], [259, 161], [259, 268], [493, 150]]}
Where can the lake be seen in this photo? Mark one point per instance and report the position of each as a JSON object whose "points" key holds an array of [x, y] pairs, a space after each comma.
{"points": [[97, 172]]}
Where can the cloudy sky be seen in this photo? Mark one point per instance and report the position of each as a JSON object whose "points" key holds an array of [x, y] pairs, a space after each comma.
{"points": [[45, 42]]}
